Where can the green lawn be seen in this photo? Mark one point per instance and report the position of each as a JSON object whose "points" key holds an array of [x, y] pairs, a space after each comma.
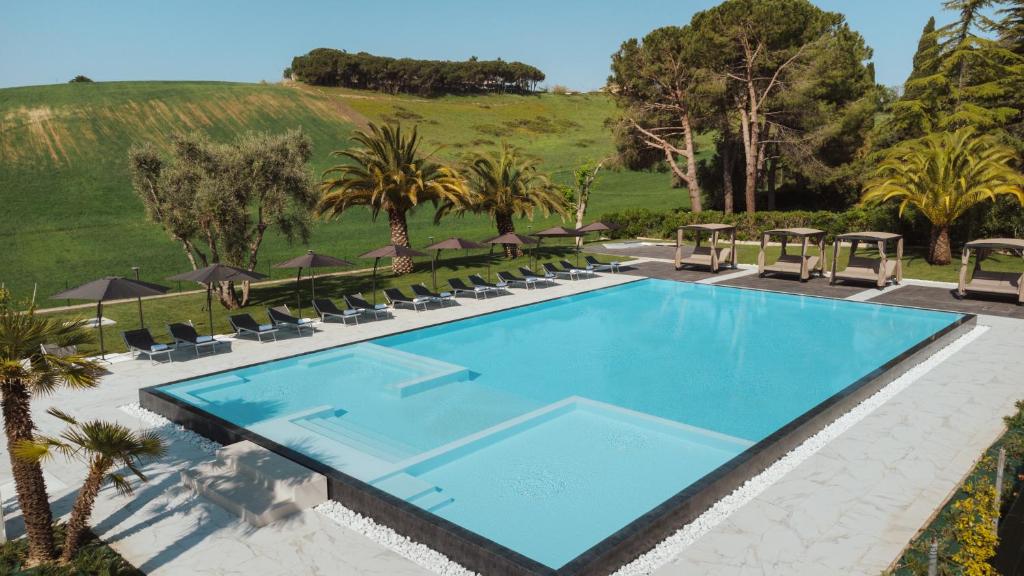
{"points": [[158, 312], [69, 214]]}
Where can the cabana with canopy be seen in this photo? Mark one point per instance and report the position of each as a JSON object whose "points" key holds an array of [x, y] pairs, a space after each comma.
{"points": [[862, 269], [711, 256], [801, 265], [989, 281]]}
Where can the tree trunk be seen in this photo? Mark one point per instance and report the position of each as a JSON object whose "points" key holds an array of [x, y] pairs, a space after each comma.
{"points": [[938, 247], [773, 165], [506, 225], [28, 476], [82, 509], [399, 237], [227, 296], [727, 190], [691, 165], [581, 211], [748, 123]]}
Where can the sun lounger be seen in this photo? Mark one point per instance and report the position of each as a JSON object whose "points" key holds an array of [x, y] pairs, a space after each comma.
{"points": [[594, 264], [552, 269], [396, 297], [58, 351], [326, 309], [478, 280], [566, 265], [357, 302], [424, 292], [282, 316], [185, 334], [460, 287], [245, 324], [140, 342], [546, 277], [511, 279]]}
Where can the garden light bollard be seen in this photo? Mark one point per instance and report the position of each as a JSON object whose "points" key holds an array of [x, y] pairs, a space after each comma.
{"points": [[933, 558]]}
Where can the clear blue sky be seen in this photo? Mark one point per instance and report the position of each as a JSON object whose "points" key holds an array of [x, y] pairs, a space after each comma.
{"points": [[46, 42]]}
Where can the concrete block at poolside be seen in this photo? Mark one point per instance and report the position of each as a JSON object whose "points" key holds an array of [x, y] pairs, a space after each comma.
{"points": [[256, 484]]}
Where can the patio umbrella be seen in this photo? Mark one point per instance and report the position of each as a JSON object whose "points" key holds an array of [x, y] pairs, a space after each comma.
{"points": [[313, 261], [509, 238], [389, 251], [560, 232], [111, 288], [217, 273], [449, 244], [598, 227]]}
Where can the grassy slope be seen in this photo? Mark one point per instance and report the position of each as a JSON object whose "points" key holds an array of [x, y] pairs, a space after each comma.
{"points": [[69, 214]]}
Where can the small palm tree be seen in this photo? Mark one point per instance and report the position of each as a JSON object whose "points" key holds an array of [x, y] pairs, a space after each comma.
{"points": [[26, 371], [102, 446], [507, 185], [942, 175], [389, 175]]}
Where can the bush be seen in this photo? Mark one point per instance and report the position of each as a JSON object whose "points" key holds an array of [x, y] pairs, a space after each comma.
{"points": [[94, 557], [78, 79], [643, 222]]}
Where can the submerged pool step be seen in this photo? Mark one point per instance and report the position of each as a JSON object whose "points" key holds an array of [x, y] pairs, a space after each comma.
{"points": [[432, 500], [358, 437], [405, 486]]}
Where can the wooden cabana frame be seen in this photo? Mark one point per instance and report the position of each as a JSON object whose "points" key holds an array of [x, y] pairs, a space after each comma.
{"points": [[802, 265], [861, 269], [987, 281], [711, 256]]}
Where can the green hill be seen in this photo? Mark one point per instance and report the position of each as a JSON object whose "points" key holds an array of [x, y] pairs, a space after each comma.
{"points": [[69, 214]]}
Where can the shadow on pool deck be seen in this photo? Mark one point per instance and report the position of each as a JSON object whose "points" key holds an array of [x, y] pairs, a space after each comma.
{"points": [[943, 299]]}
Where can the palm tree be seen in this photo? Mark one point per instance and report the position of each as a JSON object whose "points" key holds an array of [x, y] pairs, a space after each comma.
{"points": [[389, 174], [508, 185], [26, 371], [102, 446], [942, 175]]}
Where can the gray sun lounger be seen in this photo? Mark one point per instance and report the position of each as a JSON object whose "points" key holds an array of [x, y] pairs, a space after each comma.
{"points": [[595, 265], [460, 287], [185, 334], [357, 302], [326, 309], [282, 316], [552, 269], [546, 277], [424, 292], [396, 297], [140, 342], [513, 280], [245, 324], [478, 280]]}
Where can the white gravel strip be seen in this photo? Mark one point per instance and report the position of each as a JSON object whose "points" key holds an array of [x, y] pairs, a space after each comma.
{"points": [[676, 543], [169, 430], [666, 550], [426, 557]]}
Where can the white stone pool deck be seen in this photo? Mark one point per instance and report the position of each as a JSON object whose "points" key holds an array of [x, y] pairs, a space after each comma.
{"points": [[849, 509]]}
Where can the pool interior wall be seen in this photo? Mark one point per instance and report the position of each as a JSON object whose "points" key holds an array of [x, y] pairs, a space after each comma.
{"points": [[416, 488]]}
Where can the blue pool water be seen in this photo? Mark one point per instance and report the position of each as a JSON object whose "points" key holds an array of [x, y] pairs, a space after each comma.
{"points": [[549, 427]]}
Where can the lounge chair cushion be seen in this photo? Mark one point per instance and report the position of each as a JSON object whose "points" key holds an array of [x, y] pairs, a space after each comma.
{"points": [[264, 327], [158, 347], [204, 339]]}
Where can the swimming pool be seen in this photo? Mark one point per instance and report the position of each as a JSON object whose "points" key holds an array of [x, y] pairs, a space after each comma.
{"points": [[550, 427]]}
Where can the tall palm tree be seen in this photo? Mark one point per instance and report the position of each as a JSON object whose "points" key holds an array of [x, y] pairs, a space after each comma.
{"points": [[507, 185], [102, 446], [388, 174], [26, 371], [942, 175]]}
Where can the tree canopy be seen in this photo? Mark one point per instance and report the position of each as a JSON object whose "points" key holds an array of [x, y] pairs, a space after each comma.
{"points": [[330, 67]]}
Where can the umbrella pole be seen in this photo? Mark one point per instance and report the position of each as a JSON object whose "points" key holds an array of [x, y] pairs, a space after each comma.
{"points": [[490, 256], [209, 305], [312, 283], [99, 326], [298, 290], [375, 261], [433, 268]]}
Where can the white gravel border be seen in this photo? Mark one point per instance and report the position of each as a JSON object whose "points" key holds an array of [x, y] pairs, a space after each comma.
{"points": [[666, 550]]}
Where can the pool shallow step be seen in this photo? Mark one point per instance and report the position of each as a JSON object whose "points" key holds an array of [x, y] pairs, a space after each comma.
{"points": [[359, 437], [433, 500], [405, 486]]}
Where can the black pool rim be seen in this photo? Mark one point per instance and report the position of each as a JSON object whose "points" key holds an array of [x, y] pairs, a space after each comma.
{"points": [[485, 556]]}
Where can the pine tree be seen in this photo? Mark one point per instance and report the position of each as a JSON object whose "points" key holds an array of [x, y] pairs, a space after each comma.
{"points": [[915, 113]]}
